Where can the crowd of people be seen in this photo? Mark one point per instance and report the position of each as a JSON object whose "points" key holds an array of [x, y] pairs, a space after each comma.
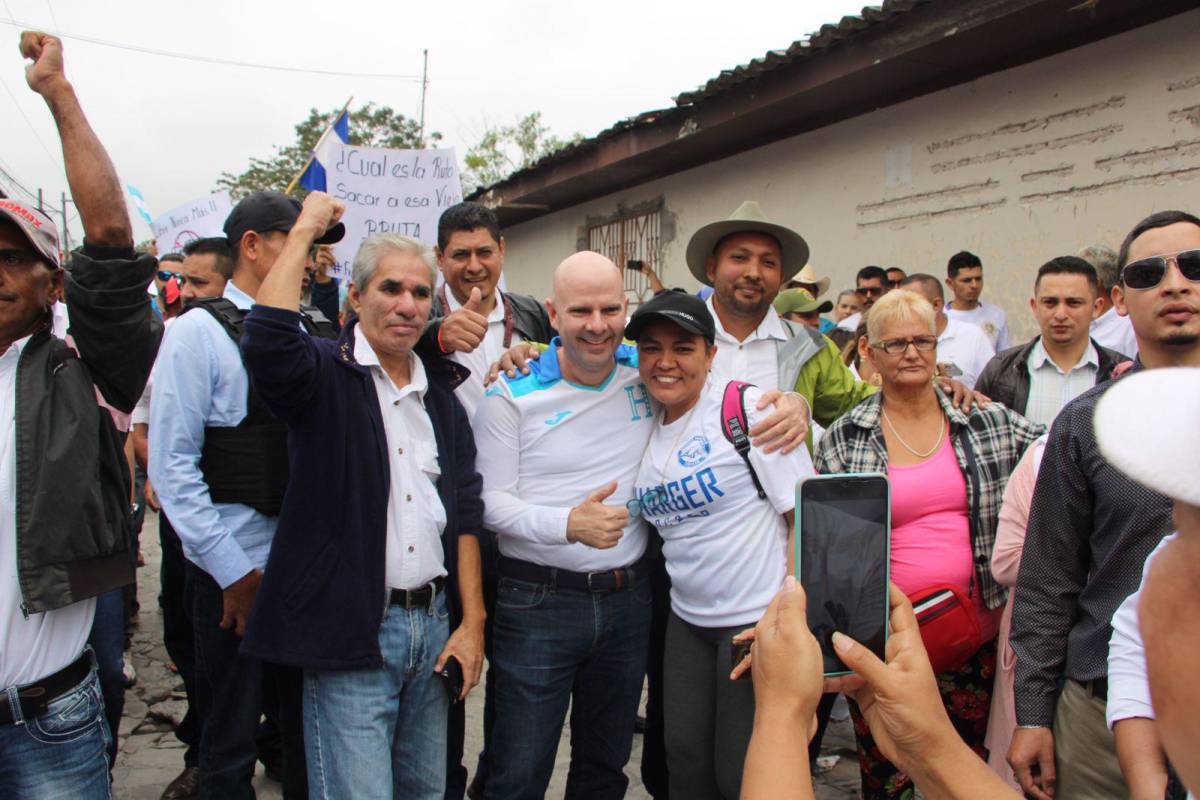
{"points": [[374, 498]]}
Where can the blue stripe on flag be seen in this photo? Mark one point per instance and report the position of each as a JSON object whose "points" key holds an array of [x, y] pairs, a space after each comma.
{"points": [[313, 178]]}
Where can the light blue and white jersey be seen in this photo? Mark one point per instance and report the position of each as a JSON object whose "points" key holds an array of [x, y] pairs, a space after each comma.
{"points": [[545, 444]]}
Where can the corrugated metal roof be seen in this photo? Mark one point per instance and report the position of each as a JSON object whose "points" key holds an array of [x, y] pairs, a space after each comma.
{"points": [[811, 45]]}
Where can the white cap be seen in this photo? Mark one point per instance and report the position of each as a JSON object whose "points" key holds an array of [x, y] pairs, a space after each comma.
{"points": [[1148, 426]]}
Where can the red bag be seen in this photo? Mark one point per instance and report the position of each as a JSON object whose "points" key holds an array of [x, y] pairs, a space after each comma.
{"points": [[949, 626]]}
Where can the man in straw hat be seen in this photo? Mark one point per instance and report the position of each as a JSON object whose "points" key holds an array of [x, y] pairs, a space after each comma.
{"points": [[746, 258], [807, 280]]}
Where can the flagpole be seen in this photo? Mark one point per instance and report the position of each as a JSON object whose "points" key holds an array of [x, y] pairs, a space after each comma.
{"points": [[313, 153]]}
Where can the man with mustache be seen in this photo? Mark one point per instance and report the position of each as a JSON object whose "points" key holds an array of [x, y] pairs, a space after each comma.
{"points": [[1090, 531]]}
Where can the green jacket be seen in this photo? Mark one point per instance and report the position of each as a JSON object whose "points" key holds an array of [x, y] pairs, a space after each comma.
{"points": [[812, 366]]}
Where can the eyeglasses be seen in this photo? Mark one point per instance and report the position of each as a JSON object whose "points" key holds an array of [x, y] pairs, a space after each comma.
{"points": [[640, 506], [894, 347], [874, 291], [1147, 273]]}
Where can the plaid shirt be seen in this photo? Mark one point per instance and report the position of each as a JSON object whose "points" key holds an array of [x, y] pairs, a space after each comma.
{"points": [[988, 443]]}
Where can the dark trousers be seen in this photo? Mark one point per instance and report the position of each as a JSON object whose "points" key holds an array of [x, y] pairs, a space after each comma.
{"points": [[232, 691], [456, 728], [557, 647], [178, 635], [107, 639], [654, 750]]}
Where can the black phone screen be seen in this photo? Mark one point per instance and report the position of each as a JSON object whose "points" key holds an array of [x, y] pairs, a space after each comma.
{"points": [[843, 560]]}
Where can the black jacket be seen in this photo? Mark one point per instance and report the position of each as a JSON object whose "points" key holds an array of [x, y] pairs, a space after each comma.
{"points": [[1005, 379], [72, 492], [530, 320], [323, 594]]}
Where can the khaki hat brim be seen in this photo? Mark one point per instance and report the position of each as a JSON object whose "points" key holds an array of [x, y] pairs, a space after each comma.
{"points": [[704, 241]]}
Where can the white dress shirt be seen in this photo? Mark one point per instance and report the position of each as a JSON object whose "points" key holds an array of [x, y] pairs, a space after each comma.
{"points": [[1128, 686], [415, 515], [479, 360], [1115, 332], [966, 347], [33, 647], [1050, 388], [754, 359]]}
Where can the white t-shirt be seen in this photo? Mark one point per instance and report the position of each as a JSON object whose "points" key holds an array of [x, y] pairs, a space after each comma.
{"points": [[544, 444], [33, 647], [479, 360], [415, 514], [1115, 332], [725, 548], [990, 318], [966, 347]]}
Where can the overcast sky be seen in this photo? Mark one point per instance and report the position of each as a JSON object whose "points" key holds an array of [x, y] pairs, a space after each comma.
{"points": [[172, 126]]}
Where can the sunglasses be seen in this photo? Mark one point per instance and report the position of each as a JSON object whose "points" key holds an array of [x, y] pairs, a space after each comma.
{"points": [[163, 275], [874, 291], [894, 347], [641, 506], [1147, 273]]}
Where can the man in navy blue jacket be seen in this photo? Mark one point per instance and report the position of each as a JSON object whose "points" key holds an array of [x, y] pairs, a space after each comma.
{"points": [[376, 559]]}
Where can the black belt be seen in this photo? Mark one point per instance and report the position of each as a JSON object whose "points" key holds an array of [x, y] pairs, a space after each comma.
{"points": [[1097, 688], [35, 697], [610, 580], [416, 598]]}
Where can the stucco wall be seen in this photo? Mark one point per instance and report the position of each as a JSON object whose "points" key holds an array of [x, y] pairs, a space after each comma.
{"points": [[1017, 167]]}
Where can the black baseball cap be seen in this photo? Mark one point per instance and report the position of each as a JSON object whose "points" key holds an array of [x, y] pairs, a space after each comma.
{"points": [[685, 310], [262, 212]]}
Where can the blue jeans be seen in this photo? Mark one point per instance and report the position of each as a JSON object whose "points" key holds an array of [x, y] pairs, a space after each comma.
{"points": [[381, 733], [558, 646], [62, 752]]}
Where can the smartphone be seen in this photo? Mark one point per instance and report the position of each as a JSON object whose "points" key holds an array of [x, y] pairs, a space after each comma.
{"points": [[843, 529], [634, 265], [452, 678]]}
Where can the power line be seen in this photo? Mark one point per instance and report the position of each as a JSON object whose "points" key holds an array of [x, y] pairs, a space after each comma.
{"points": [[210, 60], [32, 129]]}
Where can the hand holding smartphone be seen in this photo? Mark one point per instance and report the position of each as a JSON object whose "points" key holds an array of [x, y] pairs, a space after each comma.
{"points": [[452, 678], [842, 552]]}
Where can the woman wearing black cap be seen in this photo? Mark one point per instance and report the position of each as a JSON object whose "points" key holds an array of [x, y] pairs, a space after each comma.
{"points": [[724, 520]]}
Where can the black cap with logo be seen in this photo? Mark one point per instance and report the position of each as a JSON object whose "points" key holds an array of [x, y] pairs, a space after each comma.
{"points": [[262, 212], [685, 310]]}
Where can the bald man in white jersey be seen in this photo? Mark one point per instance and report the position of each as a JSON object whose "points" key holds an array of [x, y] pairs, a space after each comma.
{"points": [[573, 606]]}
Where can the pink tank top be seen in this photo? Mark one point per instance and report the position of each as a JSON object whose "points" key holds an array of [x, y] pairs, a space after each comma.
{"points": [[931, 532]]}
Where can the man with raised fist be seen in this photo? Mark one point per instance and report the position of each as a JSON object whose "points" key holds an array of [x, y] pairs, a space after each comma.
{"points": [[64, 482]]}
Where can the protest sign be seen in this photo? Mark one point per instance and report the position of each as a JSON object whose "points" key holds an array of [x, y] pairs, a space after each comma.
{"points": [[195, 220], [389, 191]]}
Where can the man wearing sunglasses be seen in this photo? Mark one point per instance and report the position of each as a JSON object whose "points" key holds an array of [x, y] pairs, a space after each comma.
{"points": [[1089, 533], [870, 284]]}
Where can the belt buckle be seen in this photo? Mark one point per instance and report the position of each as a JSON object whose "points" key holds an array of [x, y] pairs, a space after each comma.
{"points": [[589, 582]]}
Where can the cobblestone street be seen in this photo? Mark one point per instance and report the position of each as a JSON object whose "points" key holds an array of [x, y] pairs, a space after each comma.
{"points": [[150, 756]]}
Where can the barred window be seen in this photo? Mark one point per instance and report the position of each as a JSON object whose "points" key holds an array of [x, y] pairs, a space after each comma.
{"points": [[631, 238]]}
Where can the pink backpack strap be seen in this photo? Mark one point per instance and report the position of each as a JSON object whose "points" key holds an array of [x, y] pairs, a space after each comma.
{"points": [[736, 427]]}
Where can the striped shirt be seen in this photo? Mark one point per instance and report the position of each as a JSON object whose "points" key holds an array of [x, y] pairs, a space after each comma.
{"points": [[1050, 388]]}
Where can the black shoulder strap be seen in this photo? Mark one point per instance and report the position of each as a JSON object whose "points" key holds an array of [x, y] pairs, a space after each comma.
{"points": [[223, 311], [316, 323], [736, 427]]}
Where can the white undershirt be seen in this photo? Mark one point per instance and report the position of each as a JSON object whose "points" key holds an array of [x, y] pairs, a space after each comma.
{"points": [[33, 647], [415, 515]]}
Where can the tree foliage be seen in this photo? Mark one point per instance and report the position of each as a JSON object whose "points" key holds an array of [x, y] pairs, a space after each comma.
{"points": [[370, 126], [506, 149]]}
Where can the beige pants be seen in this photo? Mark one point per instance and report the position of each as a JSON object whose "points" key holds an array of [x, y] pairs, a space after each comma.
{"points": [[1085, 751]]}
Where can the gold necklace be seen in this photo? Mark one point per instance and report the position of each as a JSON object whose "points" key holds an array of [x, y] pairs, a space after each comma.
{"points": [[906, 445]]}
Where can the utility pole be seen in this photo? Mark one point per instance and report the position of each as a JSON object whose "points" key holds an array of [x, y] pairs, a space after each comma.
{"points": [[39, 199], [424, 86], [66, 232]]}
